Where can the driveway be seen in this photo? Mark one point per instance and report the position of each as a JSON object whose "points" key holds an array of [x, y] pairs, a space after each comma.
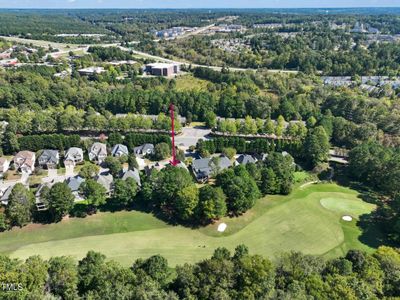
{"points": [[190, 136], [52, 173], [69, 171]]}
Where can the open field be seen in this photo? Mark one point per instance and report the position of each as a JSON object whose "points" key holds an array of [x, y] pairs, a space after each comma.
{"points": [[189, 82], [308, 220]]}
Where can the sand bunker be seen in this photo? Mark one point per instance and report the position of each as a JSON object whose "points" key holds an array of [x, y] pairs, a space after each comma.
{"points": [[347, 218], [222, 227]]}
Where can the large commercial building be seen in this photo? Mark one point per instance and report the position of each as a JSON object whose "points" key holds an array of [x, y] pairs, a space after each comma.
{"points": [[162, 69]]}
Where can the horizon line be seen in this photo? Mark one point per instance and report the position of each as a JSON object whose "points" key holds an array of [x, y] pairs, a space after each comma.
{"points": [[197, 8]]}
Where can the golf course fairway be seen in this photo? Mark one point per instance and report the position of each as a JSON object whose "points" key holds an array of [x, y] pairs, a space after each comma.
{"points": [[308, 220]]}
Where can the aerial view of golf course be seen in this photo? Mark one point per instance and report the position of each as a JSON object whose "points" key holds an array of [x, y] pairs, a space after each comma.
{"points": [[319, 219]]}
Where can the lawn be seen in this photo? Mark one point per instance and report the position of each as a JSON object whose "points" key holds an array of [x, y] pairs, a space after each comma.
{"points": [[308, 220]]}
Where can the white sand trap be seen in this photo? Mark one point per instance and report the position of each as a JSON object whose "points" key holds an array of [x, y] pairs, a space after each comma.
{"points": [[222, 227], [347, 218]]}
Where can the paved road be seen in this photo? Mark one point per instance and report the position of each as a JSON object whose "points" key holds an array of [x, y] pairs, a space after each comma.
{"points": [[65, 48], [190, 136], [187, 64]]}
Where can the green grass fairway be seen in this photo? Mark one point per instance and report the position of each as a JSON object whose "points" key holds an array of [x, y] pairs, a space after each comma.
{"points": [[308, 220]]}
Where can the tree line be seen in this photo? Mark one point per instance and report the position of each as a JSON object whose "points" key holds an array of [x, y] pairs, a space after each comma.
{"points": [[225, 275], [70, 119]]}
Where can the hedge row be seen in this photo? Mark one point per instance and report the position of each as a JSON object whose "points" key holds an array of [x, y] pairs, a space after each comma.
{"points": [[48, 141], [253, 146]]}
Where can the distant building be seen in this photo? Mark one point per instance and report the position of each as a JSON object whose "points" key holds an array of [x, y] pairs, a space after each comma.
{"points": [[224, 28], [358, 28], [373, 30], [62, 74], [172, 32], [162, 69], [24, 162], [90, 71]]}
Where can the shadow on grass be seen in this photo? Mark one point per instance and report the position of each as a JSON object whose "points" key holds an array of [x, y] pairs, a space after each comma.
{"points": [[373, 225], [163, 214], [373, 231]]}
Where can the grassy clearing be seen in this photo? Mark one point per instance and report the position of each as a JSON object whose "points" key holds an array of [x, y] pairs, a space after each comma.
{"points": [[277, 223], [189, 83]]}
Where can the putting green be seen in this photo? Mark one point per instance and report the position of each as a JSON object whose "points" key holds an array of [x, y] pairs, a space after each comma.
{"points": [[275, 224], [347, 205]]}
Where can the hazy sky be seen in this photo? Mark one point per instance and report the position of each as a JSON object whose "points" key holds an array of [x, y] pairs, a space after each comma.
{"points": [[193, 3]]}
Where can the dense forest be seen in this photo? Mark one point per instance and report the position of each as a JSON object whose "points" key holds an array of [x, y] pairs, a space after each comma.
{"points": [[39, 103], [226, 275], [322, 51]]}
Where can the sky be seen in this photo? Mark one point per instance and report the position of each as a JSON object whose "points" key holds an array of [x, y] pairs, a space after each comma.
{"points": [[195, 3]]}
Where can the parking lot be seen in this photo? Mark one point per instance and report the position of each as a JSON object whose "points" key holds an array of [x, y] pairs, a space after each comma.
{"points": [[190, 136]]}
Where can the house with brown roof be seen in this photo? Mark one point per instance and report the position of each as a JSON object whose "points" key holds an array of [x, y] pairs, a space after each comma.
{"points": [[24, 161]]}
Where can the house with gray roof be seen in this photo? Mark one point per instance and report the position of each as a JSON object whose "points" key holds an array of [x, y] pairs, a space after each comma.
{"points": [[245, 159], [143, 150], [132, 174], [119, 150], [98, 152], [260, 156], [74, 184], [106, 181], [40, 204], [204, 168], [49, 159], [5, 194], [73, 156]]}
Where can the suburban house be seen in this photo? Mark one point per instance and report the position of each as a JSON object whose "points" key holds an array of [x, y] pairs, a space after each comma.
{"points": [[73, 156], [74, 184], [24, 161], [40, 205], [132, 174], [98, 152], [106, 181], [119, 150], [4, 165], [260, 156], [144, 150], [203, 168], [5, 194], [245, 159], [49, 159]]}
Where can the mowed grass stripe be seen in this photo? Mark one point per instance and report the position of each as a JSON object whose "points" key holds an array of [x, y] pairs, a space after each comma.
{"points": [[277, 223]]}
